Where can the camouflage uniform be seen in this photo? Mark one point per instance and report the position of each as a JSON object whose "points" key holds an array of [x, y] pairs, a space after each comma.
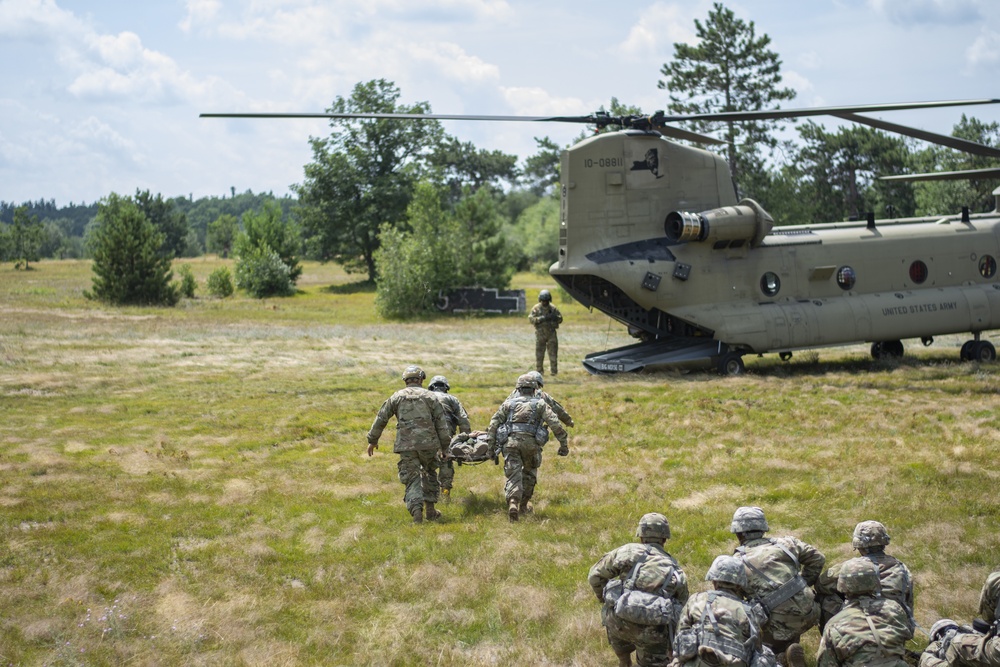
{"points": [[989, 599], [546, 319], [458, 420], [659, 571], [848, 639], [734, 631], [555, 405], [870, 631], [775, 568], [421, 433], [962, 649], [522, 454], [895, 577]]}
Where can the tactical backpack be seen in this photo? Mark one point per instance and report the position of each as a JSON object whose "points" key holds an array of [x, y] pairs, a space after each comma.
{"points": [[701, 641], [644, 607], [535, 424], [780, 592]]}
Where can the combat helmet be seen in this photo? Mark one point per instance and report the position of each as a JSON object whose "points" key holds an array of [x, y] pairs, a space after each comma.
{"points": [[544, 295], [414, 373], [868, 534], [439, 381], [653, 525], [537, 377], [859, 576], [728, 569], [942, 626], [748, 520], [525, 382]]}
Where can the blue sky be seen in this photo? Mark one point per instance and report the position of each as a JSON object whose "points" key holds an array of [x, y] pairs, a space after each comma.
{"points": [[101, 96]]}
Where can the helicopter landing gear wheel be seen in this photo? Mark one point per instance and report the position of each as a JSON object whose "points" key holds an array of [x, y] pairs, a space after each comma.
{"points": [[966, 352], [785, 356], [889, 349], [730, 364], [983, 351]]}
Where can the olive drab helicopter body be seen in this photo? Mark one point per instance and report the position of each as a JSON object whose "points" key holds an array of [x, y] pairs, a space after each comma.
{"points": [[700, 276], [652, 234]]}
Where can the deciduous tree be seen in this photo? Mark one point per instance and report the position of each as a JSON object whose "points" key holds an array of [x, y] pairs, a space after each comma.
{"points": [[363, 175]]}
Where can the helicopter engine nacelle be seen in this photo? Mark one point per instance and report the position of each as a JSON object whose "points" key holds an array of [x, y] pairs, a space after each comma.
{"points": [[747, 221]]}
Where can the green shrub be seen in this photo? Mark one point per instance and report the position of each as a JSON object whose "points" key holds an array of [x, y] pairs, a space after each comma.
{"points": [[220, 283], [260, 272], [188, 283]]}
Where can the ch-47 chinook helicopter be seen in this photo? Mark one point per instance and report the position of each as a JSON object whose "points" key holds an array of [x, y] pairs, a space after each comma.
{"points": [[652, 234]]}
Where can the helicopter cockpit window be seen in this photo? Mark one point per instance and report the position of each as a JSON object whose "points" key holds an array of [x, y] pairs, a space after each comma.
{"points": [[918, 272], [987, 266], [846, 277], [770, 283]]}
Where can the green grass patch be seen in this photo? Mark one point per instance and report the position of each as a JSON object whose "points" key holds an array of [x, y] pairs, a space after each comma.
{"points": [[189, 485]]}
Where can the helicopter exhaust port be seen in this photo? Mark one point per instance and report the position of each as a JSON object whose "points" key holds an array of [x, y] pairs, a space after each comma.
{"points": [[730, 226]]}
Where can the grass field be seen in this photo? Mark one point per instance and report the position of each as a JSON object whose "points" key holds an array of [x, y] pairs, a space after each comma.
{"points": [[189, 486]]}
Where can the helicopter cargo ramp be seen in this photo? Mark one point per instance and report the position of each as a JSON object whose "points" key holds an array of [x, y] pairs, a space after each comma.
{"points": [[661, 353]]}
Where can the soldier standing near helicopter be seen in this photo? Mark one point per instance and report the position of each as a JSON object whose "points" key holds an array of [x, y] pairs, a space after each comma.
{"points": [[546, 319]]}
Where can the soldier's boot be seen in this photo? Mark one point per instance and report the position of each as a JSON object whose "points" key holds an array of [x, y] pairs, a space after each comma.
{"points": [[418, 515], [447, 495], [624, 659], [795, 656], [432, 514], [524, 508], [512, 508]]}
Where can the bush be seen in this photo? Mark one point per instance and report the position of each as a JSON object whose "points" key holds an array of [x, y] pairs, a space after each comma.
{"points": [[188, 283], [261, 273], [220, 283]]}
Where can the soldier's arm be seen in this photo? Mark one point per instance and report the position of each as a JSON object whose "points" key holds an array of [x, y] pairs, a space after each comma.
{"points": [[604, 571], [463, 418], [533, 316], [827, 656], [556, 315], [381, 420], [988, 597], [441, 424], [558, 409], [681, 593], [557, 429], [499, 417], [811, 560]]}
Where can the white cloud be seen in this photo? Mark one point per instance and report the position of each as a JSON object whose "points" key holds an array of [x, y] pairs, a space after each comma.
{"points": [[660, 26], [199, 12], [985, 50], [32, 19], [539, 102]]}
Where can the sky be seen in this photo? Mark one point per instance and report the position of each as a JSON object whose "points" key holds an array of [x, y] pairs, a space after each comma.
{"points": [[101, 96]]}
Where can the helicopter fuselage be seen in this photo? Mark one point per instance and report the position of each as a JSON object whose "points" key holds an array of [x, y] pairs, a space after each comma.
{"points": [[652, 234]]}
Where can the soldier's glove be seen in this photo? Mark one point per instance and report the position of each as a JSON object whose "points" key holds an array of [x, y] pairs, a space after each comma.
{"points": [[599, 596], [563, 450], [371, 448], [570, 422]]}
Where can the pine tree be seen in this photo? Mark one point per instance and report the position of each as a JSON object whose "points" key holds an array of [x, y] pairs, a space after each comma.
{"points": [[129, 267], [730, 69]]}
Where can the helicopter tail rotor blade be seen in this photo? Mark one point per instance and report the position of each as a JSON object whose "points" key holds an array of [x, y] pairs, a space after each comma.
{"points": [[941, 139], [965, 175]]}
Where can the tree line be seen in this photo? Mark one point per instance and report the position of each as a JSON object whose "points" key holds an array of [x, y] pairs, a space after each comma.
{"points": [[417, 211]]}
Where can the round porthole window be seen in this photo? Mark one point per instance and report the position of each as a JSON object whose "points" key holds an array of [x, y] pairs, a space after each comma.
{"points": [[918, 272], [987, 266], [846, 277], [770, 283]]}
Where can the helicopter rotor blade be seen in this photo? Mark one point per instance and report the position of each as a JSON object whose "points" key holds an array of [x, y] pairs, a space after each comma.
{"points": [[941, 139], [965, 175], [409, 116], [779, 114], [686, 135]]}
